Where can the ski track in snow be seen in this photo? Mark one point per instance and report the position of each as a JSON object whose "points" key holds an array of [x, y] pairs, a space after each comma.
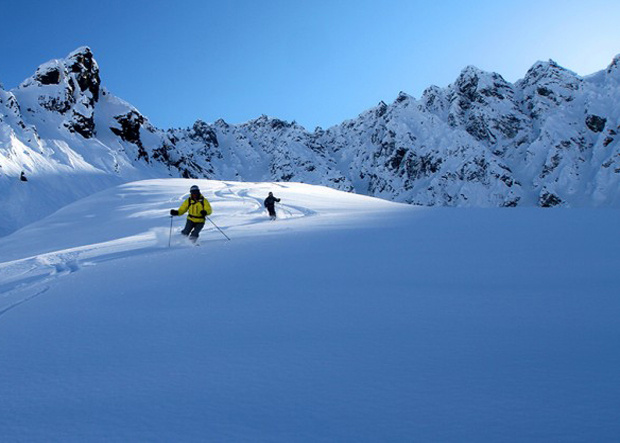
{"points": [[21, 301], [23, 274]]}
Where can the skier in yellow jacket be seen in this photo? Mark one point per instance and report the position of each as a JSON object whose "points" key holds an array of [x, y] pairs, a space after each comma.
{"points": [[198, 208]]}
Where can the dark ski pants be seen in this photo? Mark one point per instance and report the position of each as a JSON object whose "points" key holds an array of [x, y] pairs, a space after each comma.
{"points": [[192, 229], [272, 211]]}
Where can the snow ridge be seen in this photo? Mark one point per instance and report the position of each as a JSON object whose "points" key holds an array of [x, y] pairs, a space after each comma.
{"points": [[549, 139]]}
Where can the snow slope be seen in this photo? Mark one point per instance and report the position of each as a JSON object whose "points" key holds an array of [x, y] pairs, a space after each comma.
{"points": [[348, 319]]}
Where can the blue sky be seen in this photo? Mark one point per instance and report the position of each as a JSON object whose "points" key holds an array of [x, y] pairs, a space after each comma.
{"points": [[316, 62]]}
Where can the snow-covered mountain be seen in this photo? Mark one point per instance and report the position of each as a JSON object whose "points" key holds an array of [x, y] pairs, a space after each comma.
{"points": [[549, 139]]}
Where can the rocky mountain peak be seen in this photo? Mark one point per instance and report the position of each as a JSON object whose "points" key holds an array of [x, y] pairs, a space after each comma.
{"points": [[614, 66], [82, 66], [221, 124], [78, 73], [203, 132], [550, 72], [402, 97], [472, 83], [547, 85], [265, 122], [69, 86], [478, 101], [470, 71], [433, 99]]}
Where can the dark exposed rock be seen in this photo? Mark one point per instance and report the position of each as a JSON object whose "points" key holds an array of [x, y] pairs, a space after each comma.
{"points": [[467, 84], [381, 109], [595, 123], [56, 104], [511, 203], [506, 179], [548, 200], [431, 99], [422, 166], [402, 97], [221, 123], [396, 159], [130, 131], [509, 125], [550, 166], [186, 174], [50, 77], [478, 128], [130, 126], [277, 124], [203, 132], [475, 170], [608, 163], [86, 71], [163, 154], [85, 126], [614, 65]]}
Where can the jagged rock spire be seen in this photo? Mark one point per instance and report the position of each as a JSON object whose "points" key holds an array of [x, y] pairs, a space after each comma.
{"points": [[71, 87]]}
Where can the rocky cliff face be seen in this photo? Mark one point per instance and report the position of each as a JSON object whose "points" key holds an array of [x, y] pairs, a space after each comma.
{"points": [[549, 139]]}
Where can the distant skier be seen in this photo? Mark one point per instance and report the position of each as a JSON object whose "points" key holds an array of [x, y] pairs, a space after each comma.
{"points": [[198, 208], [23, 177], [270, 204]]}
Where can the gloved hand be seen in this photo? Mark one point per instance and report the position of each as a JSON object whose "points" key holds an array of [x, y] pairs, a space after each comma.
{"points": [[203, 213], [174, 212]]}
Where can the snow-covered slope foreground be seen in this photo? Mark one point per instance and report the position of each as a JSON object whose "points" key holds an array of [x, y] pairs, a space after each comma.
{"points": [[347, 319], [549, 139]]}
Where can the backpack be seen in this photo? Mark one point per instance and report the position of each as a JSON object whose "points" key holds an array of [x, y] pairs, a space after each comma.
{"points": [[192, 202]]}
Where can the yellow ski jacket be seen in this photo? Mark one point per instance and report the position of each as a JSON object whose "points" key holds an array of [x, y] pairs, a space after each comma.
{"points": [[195, 207]]}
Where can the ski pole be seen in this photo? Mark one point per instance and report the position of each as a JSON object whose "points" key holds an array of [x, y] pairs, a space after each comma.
{"points": [[170, 236], [218, 228]]}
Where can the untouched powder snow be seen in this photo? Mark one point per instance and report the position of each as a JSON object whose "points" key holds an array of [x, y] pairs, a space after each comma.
{"points": [[347, 319]]}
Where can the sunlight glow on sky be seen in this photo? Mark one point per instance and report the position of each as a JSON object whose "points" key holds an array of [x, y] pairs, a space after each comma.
{"points": [[317, 63]]}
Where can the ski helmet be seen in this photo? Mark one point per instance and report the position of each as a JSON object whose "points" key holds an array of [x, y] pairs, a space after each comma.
{"points": [[194, 189]]}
